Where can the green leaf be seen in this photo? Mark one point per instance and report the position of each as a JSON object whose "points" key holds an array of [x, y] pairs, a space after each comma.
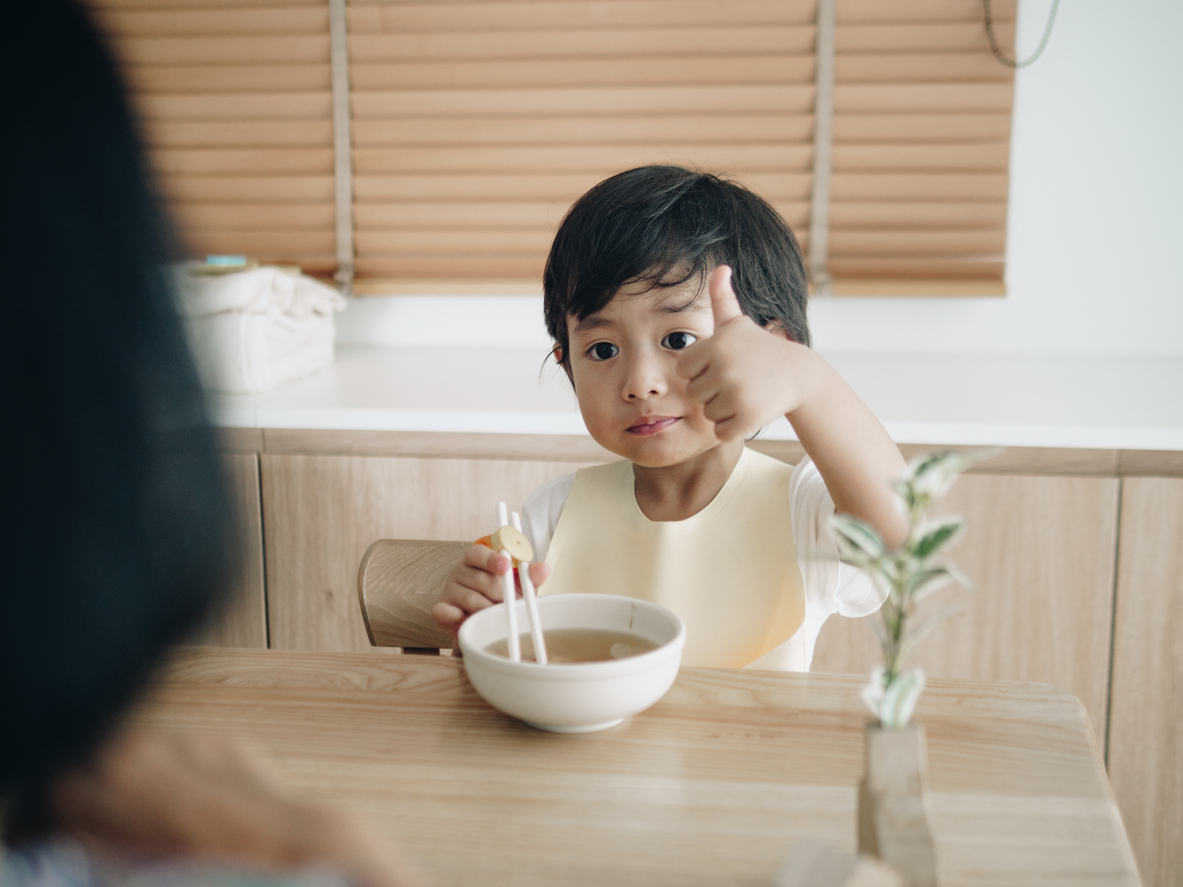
{"points": [[935, 536], [932, 579], [931, 475], [857, 540]]}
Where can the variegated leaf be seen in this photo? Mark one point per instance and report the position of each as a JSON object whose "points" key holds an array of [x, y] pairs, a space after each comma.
{"points": [[935, 536], [860, 538]]}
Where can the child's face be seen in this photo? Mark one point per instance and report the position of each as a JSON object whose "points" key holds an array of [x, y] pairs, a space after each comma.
{"points": [[623, 366]]}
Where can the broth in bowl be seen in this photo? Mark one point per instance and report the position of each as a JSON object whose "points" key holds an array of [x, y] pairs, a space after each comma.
{"points": [[565, 646]]}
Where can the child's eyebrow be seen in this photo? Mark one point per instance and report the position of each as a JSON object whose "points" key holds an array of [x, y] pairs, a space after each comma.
{"points": [[592, 322], [666, 308]]}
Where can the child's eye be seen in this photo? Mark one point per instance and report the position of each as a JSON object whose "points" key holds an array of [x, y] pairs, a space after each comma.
{"points": [[678, 341], [602, 351]]}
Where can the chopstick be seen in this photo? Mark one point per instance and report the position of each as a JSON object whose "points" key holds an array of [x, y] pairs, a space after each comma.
{"points": [[531, 603], [509, 593]]}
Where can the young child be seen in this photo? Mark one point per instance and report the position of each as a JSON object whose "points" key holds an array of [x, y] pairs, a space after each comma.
{"points": [[676, 301]]}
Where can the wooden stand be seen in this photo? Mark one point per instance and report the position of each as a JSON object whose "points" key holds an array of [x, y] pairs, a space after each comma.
{"points": [[892, 825]]}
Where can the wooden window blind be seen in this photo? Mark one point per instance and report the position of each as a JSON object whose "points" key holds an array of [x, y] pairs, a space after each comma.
{"points": [[922, 115], [237, 107], [476, 123]]}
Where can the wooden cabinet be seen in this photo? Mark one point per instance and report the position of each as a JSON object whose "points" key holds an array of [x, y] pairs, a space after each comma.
{"points": [[322, 512], [244, 621], [1041, 552], [1146, 723]]}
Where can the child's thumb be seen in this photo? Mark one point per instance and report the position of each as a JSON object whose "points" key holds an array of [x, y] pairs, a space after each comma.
{"points": [[724, 305]]}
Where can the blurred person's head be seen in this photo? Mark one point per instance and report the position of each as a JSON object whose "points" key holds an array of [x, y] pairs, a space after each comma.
{"points": [[116, 530]]}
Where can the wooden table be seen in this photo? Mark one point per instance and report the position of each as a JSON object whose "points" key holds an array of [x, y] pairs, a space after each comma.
{"points": [[711, 786]]}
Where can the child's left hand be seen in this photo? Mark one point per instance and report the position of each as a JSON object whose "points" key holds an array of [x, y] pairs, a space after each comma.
{"points": [[743, 375]]}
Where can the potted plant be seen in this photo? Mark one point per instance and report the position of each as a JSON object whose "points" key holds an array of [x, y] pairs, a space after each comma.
{"points": [[892, 823]]}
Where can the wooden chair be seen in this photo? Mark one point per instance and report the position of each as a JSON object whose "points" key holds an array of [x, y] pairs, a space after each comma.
{"points": [[397, 584]]}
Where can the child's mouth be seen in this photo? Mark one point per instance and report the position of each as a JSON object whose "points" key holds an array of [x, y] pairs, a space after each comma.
{"points": [[652, 426]]}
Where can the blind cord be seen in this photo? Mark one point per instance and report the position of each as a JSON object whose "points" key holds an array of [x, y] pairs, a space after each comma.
{"points": [[1015, 63], [823, 144], [342, 144]]}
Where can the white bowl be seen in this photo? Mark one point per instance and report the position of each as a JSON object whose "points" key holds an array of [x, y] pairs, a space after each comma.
{"points": [[579, 697]]}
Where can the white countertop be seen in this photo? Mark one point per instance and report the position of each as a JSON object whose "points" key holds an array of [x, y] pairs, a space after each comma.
{"points": [[1090, 402]]}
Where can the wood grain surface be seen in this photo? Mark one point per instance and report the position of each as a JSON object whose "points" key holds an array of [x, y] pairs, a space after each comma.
{"points": [[1054, 461], [244, 621], [1041, 551], [398, 583], [1146, 724], [713, 785], [324, 511]]}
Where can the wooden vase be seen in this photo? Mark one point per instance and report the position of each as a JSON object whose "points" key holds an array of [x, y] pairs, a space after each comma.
{"points": [[892, 825]]}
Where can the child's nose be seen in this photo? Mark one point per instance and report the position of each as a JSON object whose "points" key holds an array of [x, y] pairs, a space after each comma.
{"points": [[645, 379]]}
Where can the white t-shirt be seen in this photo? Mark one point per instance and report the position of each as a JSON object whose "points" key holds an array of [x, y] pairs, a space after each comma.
{"points": [[830, 586]]}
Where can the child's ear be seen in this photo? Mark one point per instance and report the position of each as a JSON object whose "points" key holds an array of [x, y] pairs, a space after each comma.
{"points": [[557, 354]]}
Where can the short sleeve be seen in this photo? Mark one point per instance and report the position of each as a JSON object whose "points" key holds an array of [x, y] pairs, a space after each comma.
{"points": [[830, 585], [541, 510]]}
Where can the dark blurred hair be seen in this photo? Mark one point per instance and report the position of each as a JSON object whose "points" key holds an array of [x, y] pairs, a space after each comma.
{"points": [[117, 530], [667, 225]]}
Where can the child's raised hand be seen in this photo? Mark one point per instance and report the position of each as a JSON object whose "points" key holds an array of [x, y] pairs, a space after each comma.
{"points": [[743, 375], [474, 584]]}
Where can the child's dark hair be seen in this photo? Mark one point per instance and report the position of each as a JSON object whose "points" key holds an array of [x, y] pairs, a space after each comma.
{"points": [[666, 224]]}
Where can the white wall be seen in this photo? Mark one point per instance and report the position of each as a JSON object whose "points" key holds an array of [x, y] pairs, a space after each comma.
{"points": [[1095, 233]]}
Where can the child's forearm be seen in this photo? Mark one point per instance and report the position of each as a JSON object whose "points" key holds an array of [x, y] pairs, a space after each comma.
{"points": [[850, 447]]}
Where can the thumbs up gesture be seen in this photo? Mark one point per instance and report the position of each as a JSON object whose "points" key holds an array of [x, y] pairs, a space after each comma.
{"points": [[744, 376]]}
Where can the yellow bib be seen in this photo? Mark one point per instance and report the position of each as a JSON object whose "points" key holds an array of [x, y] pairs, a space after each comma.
{"points": [[730, 571]]}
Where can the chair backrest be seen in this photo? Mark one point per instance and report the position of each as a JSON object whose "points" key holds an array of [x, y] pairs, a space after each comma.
{"points": [[398, 582]]}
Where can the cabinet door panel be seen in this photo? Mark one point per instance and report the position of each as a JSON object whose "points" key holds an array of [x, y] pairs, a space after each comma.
{"points": [[1041, 551], [1146, 725], [244, 621], [322, 512]]}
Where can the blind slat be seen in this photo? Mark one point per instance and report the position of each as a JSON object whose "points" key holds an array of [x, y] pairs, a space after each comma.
{"points": [[912, 128], [687, 70], [257, 216], [250, 189], [898, 214], [906, 269], [228, 79], [225, 50], [572, 102], [910, 11], [604, 159], [241, 134], [913, 97], [216, 22], [855, 243], [921, 37], [922, 157], [494, 17], [535, 185], [920, 186], [254, 106], [492, 214], [737, 42], [578, 130], [919, 67], [262, 161]]}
